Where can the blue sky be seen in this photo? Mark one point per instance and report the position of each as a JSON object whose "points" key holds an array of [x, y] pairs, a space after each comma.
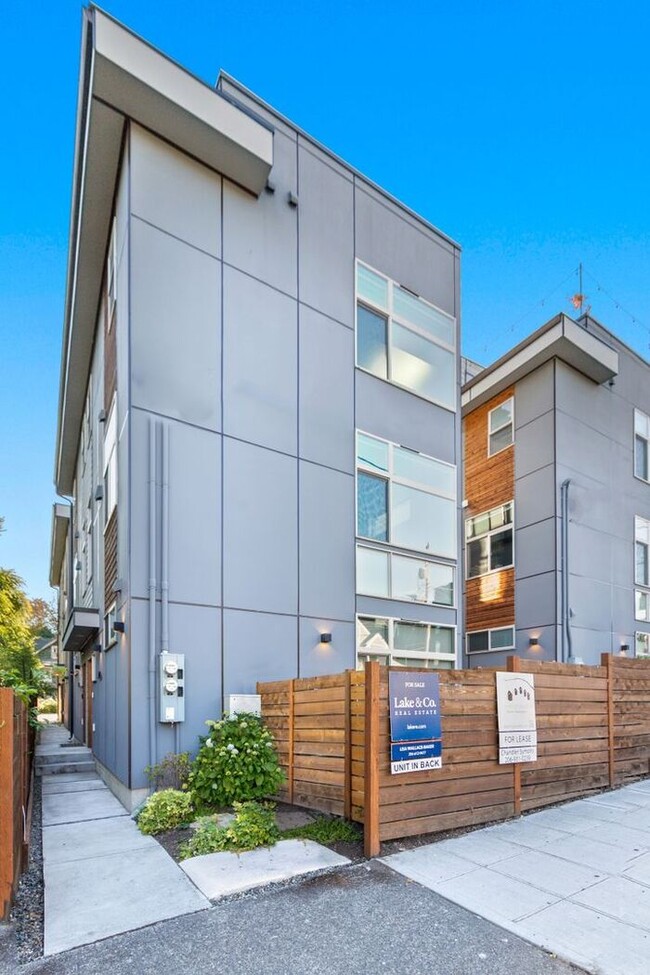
{"points": [[519, 128]]}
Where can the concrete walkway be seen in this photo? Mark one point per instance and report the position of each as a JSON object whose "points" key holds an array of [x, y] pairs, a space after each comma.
{"points": [[102, 876], [574, 880]]}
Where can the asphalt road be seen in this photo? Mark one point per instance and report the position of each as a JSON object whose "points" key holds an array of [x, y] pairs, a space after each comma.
{"points": [[363, 919]]}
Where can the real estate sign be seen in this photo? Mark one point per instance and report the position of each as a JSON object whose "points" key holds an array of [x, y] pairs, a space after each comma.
{"points": [[415, 726], [517, 718]]}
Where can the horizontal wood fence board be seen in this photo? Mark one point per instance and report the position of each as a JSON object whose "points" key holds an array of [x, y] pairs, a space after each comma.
{"points": [[454, 820]]}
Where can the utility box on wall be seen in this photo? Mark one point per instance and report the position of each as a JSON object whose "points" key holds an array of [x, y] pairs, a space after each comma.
{"points": [[171, 682], [245, 704]]}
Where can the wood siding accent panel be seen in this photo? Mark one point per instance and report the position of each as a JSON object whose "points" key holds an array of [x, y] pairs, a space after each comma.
{"points": [[489, 481], [110, 559]]}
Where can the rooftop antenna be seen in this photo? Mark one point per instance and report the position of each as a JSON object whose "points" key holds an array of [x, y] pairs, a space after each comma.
{"points": [[579, 298]]}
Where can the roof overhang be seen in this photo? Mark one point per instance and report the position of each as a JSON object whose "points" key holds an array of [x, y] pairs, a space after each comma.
{"points": [[122, 77], [561, 338], [83, 626], [60, 523]]}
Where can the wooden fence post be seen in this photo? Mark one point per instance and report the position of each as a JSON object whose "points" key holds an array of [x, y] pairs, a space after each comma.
{"points": [[291, 741], [7, 824], [514, 666], [371, 843], [607, 661], [347, 763]]}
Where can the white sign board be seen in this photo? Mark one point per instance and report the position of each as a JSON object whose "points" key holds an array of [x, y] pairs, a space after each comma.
{"points": [[517, 718]]}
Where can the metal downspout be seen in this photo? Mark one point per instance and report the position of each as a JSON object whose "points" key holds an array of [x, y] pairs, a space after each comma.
{"points": [[566, 611], [152, 592]]}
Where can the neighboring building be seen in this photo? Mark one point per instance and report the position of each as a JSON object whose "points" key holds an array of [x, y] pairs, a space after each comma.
{"points": [[260, 348], [561, 422]]}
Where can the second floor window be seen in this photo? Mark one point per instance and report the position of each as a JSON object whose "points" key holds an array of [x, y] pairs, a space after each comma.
{"points": [[641, 551], [641, 441], [489, 541], [405, 498], [110, 464], [405, 339], [501, 427]]}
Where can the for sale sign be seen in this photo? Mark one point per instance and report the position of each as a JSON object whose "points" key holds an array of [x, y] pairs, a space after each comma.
{"points": [[517, 718], [415, 726]]}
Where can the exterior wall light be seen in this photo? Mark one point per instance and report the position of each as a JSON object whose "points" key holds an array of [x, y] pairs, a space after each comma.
{"points": [[625, 648], [533, 643], [119, 627], [326, 638]]}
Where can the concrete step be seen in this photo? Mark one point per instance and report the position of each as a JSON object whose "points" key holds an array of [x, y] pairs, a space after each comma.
{"points": [[63, 767], [47, 754]]}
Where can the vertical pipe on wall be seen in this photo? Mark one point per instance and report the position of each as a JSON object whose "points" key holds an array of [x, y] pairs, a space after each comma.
{"points": [[152, 592], [164, 543], [566, 612]]}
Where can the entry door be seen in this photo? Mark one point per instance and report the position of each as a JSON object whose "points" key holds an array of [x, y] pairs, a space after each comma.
{"points": [[88, 703]]}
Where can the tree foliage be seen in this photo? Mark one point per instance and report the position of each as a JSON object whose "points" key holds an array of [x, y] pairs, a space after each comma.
{"points": [[20, 667]]}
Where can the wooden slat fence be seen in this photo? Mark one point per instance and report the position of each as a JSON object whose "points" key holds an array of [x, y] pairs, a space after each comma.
{"points": [[16, 748], [593, 727]]}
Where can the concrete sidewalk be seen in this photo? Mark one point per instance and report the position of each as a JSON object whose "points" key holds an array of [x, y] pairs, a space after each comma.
{"points": [[102, 876], [574, 880]]}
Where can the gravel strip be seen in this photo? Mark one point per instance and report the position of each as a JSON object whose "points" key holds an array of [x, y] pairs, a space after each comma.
{"points": [[27, 913]]}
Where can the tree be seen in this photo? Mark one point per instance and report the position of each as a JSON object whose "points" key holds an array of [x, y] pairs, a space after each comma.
{"points": [[42, 618], [20, 667]]}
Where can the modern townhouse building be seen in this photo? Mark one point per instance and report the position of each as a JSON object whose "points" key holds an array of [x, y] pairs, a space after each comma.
{"points": [[259, 425], [557, 499]]}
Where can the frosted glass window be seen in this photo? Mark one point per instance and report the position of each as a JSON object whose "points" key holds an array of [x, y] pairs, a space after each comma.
{"points": [[372, 571], [425, 368], [372, 453], [411, 466], [411, 309], [372, 286]]}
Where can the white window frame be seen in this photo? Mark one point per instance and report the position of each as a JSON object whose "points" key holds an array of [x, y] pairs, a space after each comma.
{"points": [[646, 635], [404, 554], [390, 317], [645, 524], [510, 423], [392, 652], [645, 416], [111, 277], [488, 534], [390, 477], [491, 649], [637, 615], [110, 458]]}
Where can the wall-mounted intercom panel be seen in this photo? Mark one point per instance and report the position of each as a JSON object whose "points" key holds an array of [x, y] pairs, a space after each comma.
{"points": [[171, 682]]}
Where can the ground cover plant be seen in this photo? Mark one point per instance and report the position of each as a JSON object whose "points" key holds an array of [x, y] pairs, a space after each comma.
{"points": [[254, 825], [325, 830], [165, 810]]}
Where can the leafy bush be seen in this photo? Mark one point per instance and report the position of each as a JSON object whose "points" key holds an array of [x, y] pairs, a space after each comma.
{"points": [[165, 810], [171, 772], [324, 830], [237, 761], [47, 705], [254, 825]]}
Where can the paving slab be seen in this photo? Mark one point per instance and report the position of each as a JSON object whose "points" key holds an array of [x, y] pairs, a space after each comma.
{"points": [[429, 865], [495, 897], [548, 873], [51, 786], [76, 807], [219, 874], [88, 776], [93, 838], [635, 841], [525, 832], [598, 943], [640, 870], [619, 898], [112, 894], [601, 856], [481, 847]]}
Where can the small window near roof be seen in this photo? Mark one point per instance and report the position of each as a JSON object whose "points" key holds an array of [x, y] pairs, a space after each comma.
{"points": [[501, 427]]}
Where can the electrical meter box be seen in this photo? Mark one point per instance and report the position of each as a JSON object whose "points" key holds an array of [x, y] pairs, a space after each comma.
{"points": [[245, 704], [171, 682]]}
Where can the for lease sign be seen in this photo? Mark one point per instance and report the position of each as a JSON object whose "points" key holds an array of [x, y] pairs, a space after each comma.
{"points": [[517, 718], [415, 727]]}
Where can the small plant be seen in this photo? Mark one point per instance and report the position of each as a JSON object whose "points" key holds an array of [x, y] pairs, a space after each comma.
{"points": [[165, 810], [237, 762], [171, 772], [254, 825], [324, 830], [47, 705]]}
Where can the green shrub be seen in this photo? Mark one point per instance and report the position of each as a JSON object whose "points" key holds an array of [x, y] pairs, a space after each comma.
{"points": [[254, 825], [165, 810], [324, 830], [237, 761], [171, 772], [47, 705]]}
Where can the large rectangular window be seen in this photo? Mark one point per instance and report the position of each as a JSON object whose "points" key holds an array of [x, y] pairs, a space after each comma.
{"points": [[393, 576], [642, 644], [405, 339], [110, 463], [405, 498], [501, 427], [641, 441], [404, 643], [489, 541], [641, 551], [489, 641]]}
